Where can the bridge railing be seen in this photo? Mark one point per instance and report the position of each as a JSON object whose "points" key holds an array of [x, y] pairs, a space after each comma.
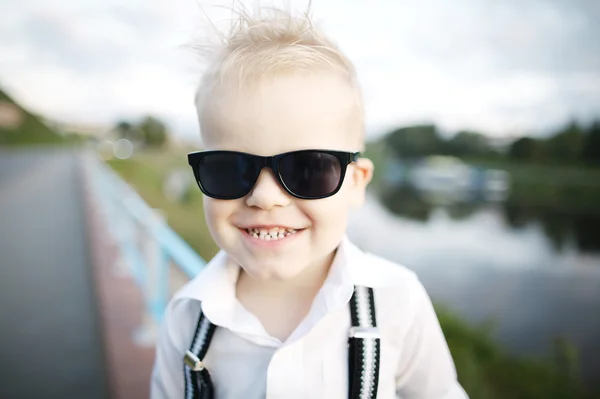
{"points": [[150, 249]]}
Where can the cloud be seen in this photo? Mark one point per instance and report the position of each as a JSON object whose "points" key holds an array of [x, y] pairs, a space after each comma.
{"points": [[499, 67]]}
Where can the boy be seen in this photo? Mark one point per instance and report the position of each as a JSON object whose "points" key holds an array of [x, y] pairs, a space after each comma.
{"points": [[290, 308]]}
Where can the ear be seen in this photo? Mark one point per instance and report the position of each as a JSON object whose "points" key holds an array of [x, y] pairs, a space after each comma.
{"points": [[362, 173]]}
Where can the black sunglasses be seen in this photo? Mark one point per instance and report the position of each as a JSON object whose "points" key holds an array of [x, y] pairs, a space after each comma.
{"points": [[305, 174]]}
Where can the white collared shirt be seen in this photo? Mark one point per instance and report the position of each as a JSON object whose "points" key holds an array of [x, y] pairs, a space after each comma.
{"points": [[246, 362]]}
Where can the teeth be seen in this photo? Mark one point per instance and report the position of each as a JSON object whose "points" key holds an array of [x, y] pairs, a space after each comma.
{"points": [[275, 233]]}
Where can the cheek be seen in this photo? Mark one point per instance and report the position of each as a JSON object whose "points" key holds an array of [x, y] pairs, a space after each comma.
{"points": [[330, 213], [217, 212]]}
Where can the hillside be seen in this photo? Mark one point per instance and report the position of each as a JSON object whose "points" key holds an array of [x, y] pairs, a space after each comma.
{"points": [[18, 126]]}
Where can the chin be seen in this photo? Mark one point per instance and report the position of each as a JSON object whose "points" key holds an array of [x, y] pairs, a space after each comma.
{"points": [[274, 272]]}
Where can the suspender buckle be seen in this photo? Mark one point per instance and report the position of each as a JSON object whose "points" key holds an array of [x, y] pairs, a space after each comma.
{"points": [[364, 332], [193, 362]]}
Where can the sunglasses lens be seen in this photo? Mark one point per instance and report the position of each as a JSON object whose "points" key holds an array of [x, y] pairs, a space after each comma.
{"points": [[310, 174], [227, 175]]}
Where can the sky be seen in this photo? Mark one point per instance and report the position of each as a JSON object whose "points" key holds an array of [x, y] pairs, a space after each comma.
{"points": [[505, 68]]}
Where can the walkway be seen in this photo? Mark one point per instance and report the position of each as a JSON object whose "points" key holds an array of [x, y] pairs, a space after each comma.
{"points": [[66, 316]]}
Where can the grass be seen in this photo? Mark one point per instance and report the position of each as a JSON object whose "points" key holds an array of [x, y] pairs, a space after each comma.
{"points": [[486, 371], [484, 368], [146, 174]]}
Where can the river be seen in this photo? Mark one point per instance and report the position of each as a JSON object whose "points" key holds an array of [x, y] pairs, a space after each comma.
{"points": [[534, 282]]}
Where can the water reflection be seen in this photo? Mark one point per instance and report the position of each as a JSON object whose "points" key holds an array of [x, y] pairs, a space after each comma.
{"points": [[563, 227]]}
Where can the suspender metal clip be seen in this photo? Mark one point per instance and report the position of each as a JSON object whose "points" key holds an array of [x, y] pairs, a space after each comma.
{"points": [[193, 362], [364, 332]]}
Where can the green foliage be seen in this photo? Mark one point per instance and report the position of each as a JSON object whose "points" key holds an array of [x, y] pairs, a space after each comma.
{"points": [[153, 131], [466, 143], [525, 149], [487, 371], [423, 140], [149, 132], [566, 145], [128, 131], [414, 141], [591, 145], [571, 145]]}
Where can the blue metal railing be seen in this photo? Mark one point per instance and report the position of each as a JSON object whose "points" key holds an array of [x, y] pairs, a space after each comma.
{"points": [[149, 246]]}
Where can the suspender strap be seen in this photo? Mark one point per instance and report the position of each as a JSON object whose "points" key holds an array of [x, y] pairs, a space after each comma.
{"points": [[363, 352], [198, 384], [363, 346]]}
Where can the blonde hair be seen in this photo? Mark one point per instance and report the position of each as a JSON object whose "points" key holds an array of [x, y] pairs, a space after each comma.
{"points": [[270, 42]]}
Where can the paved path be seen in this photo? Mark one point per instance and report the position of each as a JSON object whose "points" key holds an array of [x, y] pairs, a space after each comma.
{"points": [[50, 345]]}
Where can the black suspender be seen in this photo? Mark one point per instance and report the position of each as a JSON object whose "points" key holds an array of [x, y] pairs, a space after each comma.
{"points": [[198, 384], [363, 346], [363, 352]]}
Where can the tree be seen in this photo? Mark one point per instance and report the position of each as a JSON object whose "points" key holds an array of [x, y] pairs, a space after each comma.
{"points": [[126, 130], [154, 131], [466, 143], [566, 145], [525, 149], [591, 144], [123, 128], [415, 141]]}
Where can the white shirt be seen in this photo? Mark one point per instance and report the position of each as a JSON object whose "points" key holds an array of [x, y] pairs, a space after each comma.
{"points": [[246, 362]]}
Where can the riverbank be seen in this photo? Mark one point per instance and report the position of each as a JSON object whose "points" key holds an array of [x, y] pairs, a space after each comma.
{"points": [[572, 188]]}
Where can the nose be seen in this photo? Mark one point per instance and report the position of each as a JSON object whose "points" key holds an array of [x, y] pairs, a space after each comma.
{"points": [[267, 192]]}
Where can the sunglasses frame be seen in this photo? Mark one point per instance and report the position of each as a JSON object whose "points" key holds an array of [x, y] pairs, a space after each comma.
{"points": [[272, 162]]}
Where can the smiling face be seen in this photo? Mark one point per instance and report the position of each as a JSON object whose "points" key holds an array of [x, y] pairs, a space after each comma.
{"points": [[271, 234]]}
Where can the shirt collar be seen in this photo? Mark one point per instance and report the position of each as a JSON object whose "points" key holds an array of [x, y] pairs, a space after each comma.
{"points": [[339, 284], [216, 284], [217, 277]]}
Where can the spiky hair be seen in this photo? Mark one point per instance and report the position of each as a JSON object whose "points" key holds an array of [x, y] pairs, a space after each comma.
{"points": [[267, 42]]}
